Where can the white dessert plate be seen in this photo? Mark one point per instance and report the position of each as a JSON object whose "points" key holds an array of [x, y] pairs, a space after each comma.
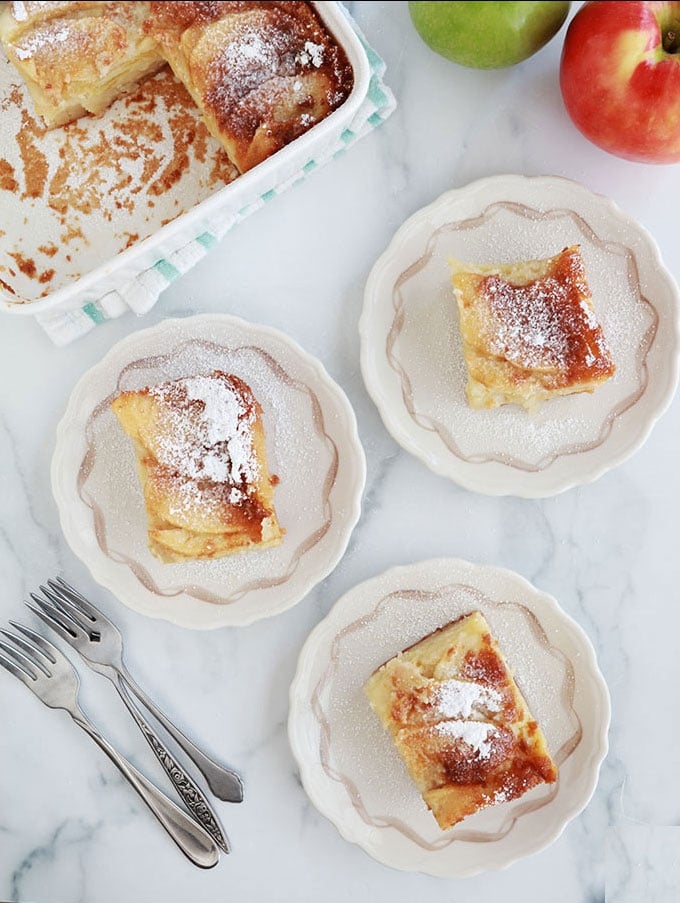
{"points": [[312, 446], [348, 763], [411, 355]]}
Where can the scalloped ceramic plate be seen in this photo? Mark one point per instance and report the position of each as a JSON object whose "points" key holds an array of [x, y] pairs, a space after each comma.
{"points": [[411, 355], [348, 763], [312, 445]]}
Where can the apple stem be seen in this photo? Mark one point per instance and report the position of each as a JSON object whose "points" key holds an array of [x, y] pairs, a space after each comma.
{"points": [[671, 41]]}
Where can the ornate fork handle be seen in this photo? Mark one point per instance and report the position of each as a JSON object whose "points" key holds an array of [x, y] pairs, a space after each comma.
{"points": [[225, 784], [194, 842], [187, 789]]}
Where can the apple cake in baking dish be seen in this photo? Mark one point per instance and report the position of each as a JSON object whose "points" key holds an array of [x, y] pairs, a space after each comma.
{"points": [[79, 57], [200, 448], [459, 721], [261, 73], [529, 331]]}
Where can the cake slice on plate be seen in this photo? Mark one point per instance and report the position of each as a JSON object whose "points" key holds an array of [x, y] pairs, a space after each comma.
{"points": [[529, 331], [201, 458], [459, 721]]}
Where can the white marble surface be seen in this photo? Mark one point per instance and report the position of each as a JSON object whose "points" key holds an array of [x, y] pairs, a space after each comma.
{"points": [[70, 829]]}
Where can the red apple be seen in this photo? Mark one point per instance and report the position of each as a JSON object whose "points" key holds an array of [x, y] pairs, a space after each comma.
{"points": [[620, 77]]}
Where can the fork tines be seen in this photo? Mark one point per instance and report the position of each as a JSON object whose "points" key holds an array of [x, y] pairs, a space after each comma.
{"points": [[22, 657], [58, 612], [68, 593]]}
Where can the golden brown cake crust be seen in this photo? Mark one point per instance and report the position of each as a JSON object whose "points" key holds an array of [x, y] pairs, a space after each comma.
{"points": [[78, 57], [529, 330], [201, 456], [261, 73], [460, 722]]}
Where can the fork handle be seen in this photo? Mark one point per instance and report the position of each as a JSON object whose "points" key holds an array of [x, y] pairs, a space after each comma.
{"points": [[191, 794], [190, 837], [224, 783]]}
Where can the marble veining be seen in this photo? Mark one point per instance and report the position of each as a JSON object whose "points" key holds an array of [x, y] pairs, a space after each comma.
{"points": [[71, 831]]}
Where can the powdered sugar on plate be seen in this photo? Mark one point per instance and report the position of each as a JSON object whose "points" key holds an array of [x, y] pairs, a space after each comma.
{"points": [[412, 358], [362, 755], [428, 345], [312, 448]]}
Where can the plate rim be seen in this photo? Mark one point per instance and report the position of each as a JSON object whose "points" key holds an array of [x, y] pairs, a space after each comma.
{"points": [[472, 476], [309, 774], [116, 578]]}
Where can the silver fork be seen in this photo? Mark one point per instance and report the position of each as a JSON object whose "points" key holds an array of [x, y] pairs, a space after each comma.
{"points": [[51, 676], [59, 614], [100, 643]]}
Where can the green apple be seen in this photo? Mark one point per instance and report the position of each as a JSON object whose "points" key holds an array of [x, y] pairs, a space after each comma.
{"points": [[487, 35]]}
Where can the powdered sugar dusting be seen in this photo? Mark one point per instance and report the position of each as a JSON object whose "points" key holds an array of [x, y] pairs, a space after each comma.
{"points": [[298, 452], [312, 53], [547, 324], [427, 350], [19, 11], [252, 57], [478, 735], [253, 49], [529, 330], [41, 38], [211, 440], [461, 699]]}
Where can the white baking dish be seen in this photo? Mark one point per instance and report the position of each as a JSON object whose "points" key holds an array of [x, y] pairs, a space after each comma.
{"points": [[73, 235]]}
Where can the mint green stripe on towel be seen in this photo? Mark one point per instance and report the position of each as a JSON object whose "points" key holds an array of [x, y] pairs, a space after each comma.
{"points": [[376, 93], [166, 269], [94, 313], [375, 62], [207, 239]]}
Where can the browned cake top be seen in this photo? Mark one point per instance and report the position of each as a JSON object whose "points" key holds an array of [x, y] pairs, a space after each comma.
{"points": [[207, 424], [243, 77], [205, 452], [180, 15], [479, 689], [460, 722], [548, 323], [76, 39]]}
